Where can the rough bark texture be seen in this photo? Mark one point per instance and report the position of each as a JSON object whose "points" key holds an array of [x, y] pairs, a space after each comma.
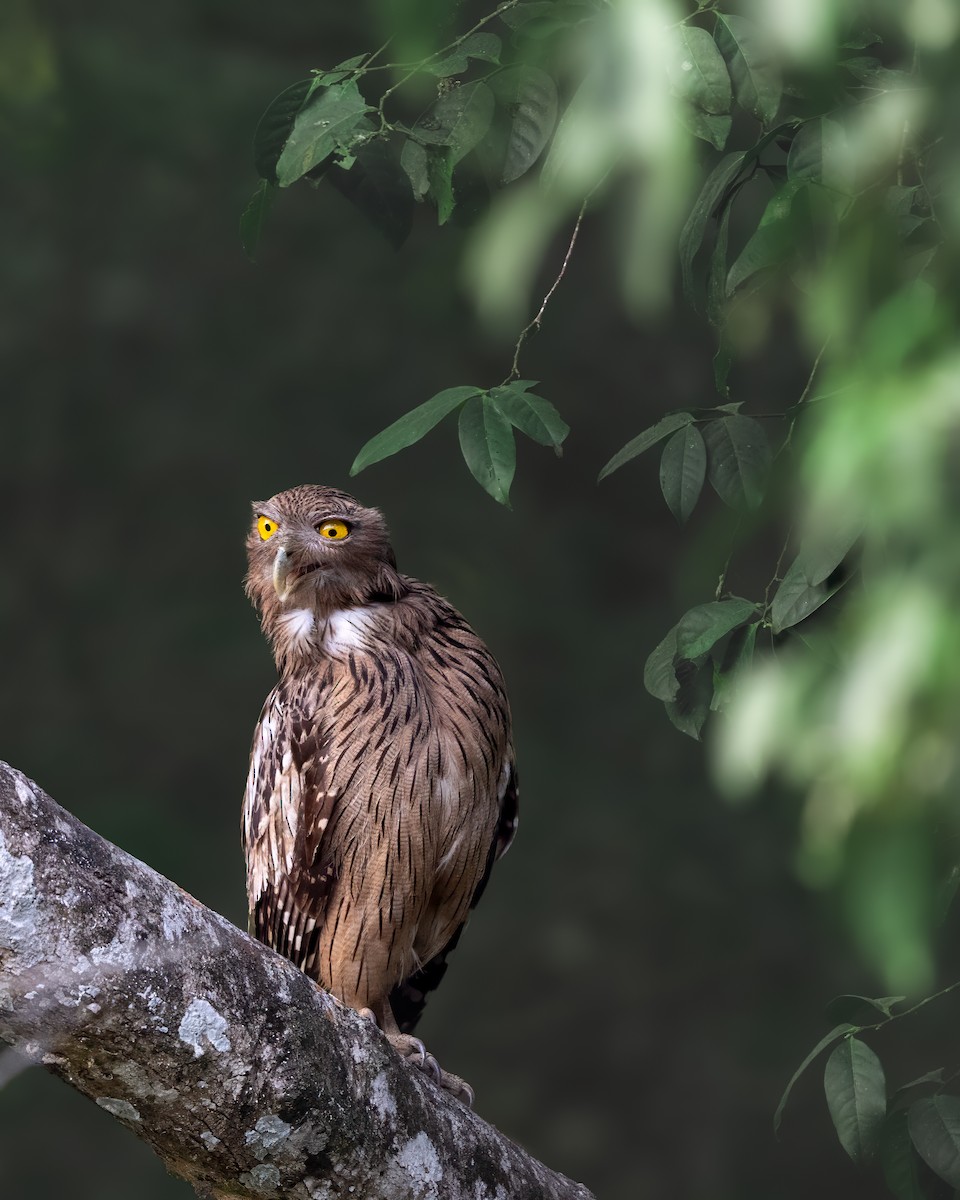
{"points": [[245, 1077]]}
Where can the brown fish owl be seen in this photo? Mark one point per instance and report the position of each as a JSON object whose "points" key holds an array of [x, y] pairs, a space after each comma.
{"points": [[382, 785]]}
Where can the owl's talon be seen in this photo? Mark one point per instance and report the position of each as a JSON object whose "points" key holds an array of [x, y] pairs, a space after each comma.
{"points": [[431, 1067]]}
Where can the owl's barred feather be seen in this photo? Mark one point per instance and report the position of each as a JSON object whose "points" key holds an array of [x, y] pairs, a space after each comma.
{"points": [[381, 786]]}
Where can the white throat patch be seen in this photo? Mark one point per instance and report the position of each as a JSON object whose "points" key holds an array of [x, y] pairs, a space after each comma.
{"points": [[347, 629], [298, 624]]}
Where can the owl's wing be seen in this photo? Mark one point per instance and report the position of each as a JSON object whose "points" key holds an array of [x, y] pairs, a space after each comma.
{"points": [[288, 809], [408, 999]]}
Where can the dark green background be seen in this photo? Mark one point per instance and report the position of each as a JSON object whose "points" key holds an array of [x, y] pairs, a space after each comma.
{"points": [[644, 972]]}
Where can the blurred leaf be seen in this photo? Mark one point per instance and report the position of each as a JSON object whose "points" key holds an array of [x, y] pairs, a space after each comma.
{"points": [[698, 73], [702, 627], [485, 46], [683, 468], [542, 17], [659, 676], [486, 439], [795, 599], [738, 658], [706, 126], [529, 96], [413, 159], [753, 66], [379, 187], [411, 427], [934, 1124], [690, 708], [897, 1159], [821, 553], [837, 1031], [774, 240], [324, 125], [819, 154], [856, 1097], [275, 127], [857, 41], [532, 415], [738, 460], [643, 441], [440, 174], [254, 217], [860, 1010], [459, 119], [871, 72]]}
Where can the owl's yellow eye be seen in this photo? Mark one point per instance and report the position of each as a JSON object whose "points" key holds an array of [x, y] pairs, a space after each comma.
{"points": [[334, 531], [266, 528]]}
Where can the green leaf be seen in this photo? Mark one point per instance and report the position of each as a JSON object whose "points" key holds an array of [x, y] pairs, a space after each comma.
{"points": [[440, 174], [706, 126], [459, 119], [486, 439], [714, 197], [837, 1031], [860, 1010], [737, 659], [683, 468], [897, 1159], [532, 415], [691, 236], [659, 675], [485, 46], [934, 1124], [326, 123], [774, 240], [856, 1097], [411, 427], [643, 441], [692, 704], [379, 187], [275, 127], [698, 73], [529, 97], [702, 627], [795, 599], [738, 458], [752, 64], [254, 217], [413, 159], [717, 275]]}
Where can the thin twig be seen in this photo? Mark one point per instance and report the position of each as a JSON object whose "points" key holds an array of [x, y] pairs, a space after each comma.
{"points": [[535, 323], [508, 4]]}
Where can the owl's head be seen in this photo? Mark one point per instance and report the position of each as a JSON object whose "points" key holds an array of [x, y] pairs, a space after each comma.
{"points": [[317, 548]]}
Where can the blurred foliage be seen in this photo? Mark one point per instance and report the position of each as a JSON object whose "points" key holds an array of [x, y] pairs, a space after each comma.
{"points": [[834, 207]]}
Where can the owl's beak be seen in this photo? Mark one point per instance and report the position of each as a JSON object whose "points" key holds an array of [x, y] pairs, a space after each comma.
{"points": [[282, 569], [287, 573]]}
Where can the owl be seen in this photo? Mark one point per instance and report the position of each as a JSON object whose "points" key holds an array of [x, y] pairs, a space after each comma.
{"points": [[382, 785]]}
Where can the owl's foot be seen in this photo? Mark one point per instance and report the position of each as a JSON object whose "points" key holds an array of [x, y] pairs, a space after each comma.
{"points": [[415, 1054]]}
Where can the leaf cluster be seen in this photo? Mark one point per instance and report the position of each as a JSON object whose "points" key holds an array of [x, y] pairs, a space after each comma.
{"points": [[492, 111], [913, 1133]]}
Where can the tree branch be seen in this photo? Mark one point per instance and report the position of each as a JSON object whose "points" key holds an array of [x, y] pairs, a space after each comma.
{"points": [[245, 1077]]}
